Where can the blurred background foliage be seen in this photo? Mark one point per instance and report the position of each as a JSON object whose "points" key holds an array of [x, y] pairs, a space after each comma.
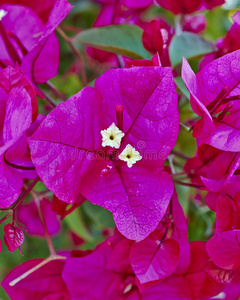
{"points": [[89, 224]]}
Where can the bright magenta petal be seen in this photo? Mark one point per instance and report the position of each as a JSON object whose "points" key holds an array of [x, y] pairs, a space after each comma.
{"points": [[224, 249]]}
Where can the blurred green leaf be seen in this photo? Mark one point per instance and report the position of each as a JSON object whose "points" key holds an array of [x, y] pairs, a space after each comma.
{"points": [[119, 39], [98, 214], [181, 85], [188, 45], [218, 23], [75, 223]]}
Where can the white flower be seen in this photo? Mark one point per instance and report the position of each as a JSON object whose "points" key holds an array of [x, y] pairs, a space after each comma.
{"points": [[112, 136], [2, 13], [130, 155]]}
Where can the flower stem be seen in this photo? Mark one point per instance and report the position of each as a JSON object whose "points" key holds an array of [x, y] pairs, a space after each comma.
{"points": [[188, 184], [76, 52], [180, 154], [48, 98], [55, 91], [47, 235], [178, 24], [27, 191], [38, 266]]}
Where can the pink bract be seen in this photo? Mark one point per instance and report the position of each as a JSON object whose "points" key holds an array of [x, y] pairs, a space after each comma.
{"points": [[18, 108], [44, 283], [13, 237], [188, 6], [33, 45], [138, 197], [215, 90], [28, 215], [224, 249]]}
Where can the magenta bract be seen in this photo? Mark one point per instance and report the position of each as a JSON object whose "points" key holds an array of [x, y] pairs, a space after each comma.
{"points": [[13, 237], [215, 97], [18, 108], [188, 6], [28, 215], [44, 283], [68, 143], [29, 43], [224, 249]]}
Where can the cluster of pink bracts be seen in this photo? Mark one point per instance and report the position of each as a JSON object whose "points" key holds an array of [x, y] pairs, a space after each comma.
{"points": [[149, 255]]}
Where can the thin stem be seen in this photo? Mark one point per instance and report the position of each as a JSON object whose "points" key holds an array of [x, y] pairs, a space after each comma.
{"points": [[6, 217], [27, 191], [180, 154], [178, 24], [185, 127], [55, 91], [48, 98], [76, 52], [47, 235], [188, 184], [120, 61], [70, 28], [38, 266], [170, 160]]}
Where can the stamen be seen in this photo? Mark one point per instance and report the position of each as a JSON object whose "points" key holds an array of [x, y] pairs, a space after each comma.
{"points": [[225, 111], [17, 40], [223, 93], [119, 114], [10, 49]]}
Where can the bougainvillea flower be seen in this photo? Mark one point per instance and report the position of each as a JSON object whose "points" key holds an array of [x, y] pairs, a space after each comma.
{"points": [[42, 8], [153, 258], [165, 250], [44, 283], [137, 4], [156, 38], [28, 215], [143, 103], [224, 249], [103, 274], [232, 290], [202, 284], [13, 237], [212, 167], [215, 97], [116, 12], [188, 6], [62, 208], [195, 23], [226, 203], [25, 40], [106, 274], [227, 44], [18, 108]]}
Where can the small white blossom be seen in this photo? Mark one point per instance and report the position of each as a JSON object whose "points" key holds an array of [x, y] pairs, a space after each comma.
{"points": [[130, 155], [2, 13], [112, 136]]}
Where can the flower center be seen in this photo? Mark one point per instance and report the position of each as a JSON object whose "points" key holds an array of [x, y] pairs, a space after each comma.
{"points": [[130, 155], [2, 14], [112, 136], [221, 100]]}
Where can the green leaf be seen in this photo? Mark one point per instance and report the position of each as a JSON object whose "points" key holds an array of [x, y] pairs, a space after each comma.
{"points": [[75, 223], [188, 45], [98, 214], [181, 85], [119, 39]]}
